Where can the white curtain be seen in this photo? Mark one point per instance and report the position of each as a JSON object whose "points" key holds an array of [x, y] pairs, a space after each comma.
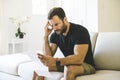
{"points": [[3, 32]]}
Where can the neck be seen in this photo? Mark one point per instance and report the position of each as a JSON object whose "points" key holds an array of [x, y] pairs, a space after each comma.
{"points": [[67, 30]]}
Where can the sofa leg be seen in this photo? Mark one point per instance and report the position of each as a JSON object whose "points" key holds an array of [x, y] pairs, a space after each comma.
{"points": [[37, 77]]}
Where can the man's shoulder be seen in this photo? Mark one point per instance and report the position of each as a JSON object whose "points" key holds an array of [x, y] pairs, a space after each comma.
{"points": [[78, 27]]}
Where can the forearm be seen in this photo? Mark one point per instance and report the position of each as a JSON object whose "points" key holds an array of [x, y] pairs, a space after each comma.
{"points": [[71, 60], [46, 48]]}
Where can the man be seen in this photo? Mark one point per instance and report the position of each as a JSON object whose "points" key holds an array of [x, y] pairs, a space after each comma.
{"points": [[74, 42]]}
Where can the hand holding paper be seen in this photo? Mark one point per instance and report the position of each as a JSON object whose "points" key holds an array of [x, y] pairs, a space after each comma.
{"points": [[49, 61]]}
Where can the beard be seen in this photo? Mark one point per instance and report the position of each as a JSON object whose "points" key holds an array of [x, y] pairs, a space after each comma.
{"points": [[63, 30]]}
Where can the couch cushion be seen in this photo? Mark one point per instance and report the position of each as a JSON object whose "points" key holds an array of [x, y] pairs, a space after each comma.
{"points": [[107, 51], [9, 63], [6, 76], [101, 75], [93, 38]]}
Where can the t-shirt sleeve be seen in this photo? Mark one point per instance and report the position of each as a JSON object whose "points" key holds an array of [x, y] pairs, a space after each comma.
{"points": [[53, 38], [82, 37]]}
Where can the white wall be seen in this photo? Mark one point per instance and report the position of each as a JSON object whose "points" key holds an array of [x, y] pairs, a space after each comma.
{"points": [[109, 15], [35, 31], [3, 38], [3, 32]]}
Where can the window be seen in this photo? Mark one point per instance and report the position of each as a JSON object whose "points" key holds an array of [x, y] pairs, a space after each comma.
{"points": [[39, 7]]}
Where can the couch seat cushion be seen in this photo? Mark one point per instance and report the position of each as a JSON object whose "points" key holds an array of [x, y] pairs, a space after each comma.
{"points": [[6, 76], [101, 75], [10, 63]]}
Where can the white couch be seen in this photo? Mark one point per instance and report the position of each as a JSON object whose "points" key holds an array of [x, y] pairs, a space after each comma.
{"points": [[106, 49]]}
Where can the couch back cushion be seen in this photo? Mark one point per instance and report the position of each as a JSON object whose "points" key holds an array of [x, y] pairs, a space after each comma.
{"points": [[93, 37], [107, 51]]}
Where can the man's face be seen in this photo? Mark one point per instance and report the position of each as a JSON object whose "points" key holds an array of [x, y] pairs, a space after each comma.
{"points": [[58, 25]]}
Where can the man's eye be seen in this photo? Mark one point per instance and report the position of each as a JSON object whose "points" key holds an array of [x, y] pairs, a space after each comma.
{"points": [[56, 24]]}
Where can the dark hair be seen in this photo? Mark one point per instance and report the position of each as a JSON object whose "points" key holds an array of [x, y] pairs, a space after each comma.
{"points": [[56, 11]]}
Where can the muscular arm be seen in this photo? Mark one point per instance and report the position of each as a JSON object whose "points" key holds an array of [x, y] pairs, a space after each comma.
{"points": [[49, 49], [78, 57]]}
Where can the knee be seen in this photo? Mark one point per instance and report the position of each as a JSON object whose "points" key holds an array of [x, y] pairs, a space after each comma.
{"points": [[75, 70], [70, 70]]}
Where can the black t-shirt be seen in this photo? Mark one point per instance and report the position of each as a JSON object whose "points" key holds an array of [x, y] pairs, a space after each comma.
{"points": [[77, 35]]}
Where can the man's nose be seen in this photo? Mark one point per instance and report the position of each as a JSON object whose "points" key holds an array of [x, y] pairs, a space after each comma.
{"points": [[55, 28]]}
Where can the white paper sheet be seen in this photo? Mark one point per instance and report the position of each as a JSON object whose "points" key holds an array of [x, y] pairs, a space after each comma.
{"points": [[44, 73]]}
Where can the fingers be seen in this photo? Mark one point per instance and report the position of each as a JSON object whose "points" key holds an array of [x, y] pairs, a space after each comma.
{"points": [[45, 59], [48, 26], [40, 55], [47, 30], [42, 58]]}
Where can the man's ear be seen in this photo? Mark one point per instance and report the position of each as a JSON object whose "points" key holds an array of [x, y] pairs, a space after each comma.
{"points": [[65, 19]]}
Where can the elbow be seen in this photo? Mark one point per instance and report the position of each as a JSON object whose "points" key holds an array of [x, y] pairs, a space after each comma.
{"points": [[79, 60]]}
